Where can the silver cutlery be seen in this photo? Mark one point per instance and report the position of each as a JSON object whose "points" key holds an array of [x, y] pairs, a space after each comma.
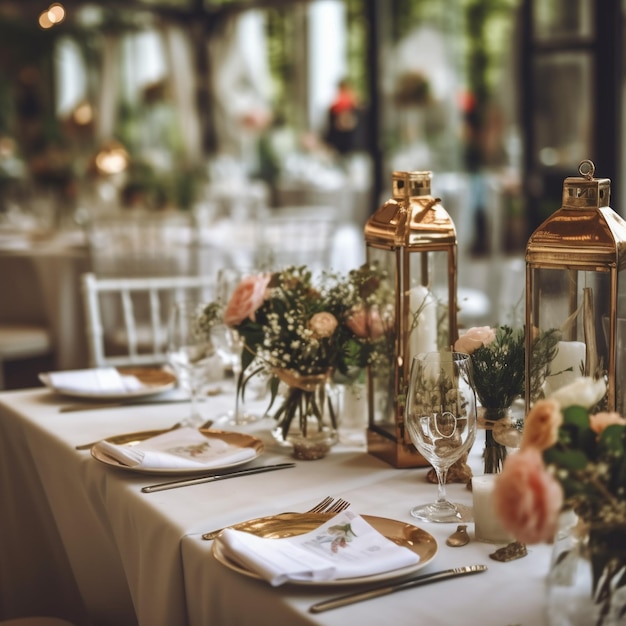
{"points": [[383, 590], [327, 505], [168, 398], [92, 406], [198, 480]]}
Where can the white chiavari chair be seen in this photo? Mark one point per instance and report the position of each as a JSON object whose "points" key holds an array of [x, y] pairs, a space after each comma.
{"points": [[129, 339]]}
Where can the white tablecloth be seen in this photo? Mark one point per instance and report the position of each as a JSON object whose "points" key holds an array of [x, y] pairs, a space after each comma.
{"points": [[79, 540]]}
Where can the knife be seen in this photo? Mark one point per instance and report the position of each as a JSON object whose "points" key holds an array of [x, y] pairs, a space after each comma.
{"points": [[215, 477], [167, 398], [384, 590], [85, 406]]}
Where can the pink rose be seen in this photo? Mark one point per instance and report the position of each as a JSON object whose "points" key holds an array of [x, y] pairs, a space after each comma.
{"points": [[247, 297], [366, 324], [527, 498], [474, 338], [541, 426], [600, 421], [323, 324]]}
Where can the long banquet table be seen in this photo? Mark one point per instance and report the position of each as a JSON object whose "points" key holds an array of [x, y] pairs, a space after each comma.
{"points": [[79, 540]]}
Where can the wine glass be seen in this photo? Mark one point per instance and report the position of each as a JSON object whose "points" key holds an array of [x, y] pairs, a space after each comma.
{"points": [[440, 417], [190, 351], [229, 345]]}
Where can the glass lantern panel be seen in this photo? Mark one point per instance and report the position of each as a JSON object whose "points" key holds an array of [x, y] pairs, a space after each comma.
{"points": [[571, 306], [620, 345], [382, 371], [428, 328]]}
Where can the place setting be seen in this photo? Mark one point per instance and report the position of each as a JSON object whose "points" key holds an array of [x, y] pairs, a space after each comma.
{"points": [[182, 450], [110, 383], [374, 555]]}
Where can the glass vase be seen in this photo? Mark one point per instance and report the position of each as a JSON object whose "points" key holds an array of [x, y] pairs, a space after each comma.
{"points": [[495, 452], [586, 585], [307, 418]]}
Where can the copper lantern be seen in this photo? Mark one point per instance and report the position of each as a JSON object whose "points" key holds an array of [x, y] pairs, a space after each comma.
{"points": [[412, 239], [575, 290]]}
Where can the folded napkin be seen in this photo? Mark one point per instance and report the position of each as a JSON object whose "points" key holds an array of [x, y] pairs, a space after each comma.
{"points": [[177, 449], [345, 546], [101, 380]]}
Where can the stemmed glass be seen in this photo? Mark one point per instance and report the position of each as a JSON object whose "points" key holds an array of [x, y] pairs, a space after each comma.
{"points": [[440, 416], [190, 351], [229, 345]]}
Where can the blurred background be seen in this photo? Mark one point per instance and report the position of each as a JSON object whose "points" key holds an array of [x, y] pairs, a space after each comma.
{"points": [[234, 112]]}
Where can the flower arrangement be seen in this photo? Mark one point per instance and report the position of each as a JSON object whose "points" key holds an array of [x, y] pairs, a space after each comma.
{"points": [[571, 458], [302, 331], [498, 364], [498, 367]]}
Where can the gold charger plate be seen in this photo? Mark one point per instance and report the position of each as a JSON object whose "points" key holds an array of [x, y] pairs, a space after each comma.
{"points": [[240, 440], [292, 524], [153, 380]]}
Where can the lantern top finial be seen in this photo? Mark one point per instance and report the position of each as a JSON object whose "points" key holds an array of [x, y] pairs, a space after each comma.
{"points": [[585, 191], [587, 169], [410, 184]]}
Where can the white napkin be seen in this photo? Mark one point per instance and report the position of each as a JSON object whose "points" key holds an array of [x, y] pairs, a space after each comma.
{"points": [[177, 449], [345, 546], [101, 380]]}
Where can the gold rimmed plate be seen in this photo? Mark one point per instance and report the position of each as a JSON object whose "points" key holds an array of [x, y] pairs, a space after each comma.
{"points": [[293, 524], [153, 380], [239, 440]]}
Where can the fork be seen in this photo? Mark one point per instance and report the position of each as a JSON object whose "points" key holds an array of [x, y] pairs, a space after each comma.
{"points": [[327, 505], [337, 507]]}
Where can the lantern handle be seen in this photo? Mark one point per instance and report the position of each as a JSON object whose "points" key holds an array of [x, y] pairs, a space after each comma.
{"points": [[587, 169]]}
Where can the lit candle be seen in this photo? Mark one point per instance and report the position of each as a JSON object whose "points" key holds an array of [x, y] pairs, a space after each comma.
{"points": [[570, 356], [487, 526], [423, 336]]}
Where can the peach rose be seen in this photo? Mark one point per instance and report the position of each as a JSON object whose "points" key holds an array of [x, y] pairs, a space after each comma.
{"points": [[474, 338], [600, 421], [247, 297], [527, 498], [323, 324], [365, 323], [541, 426]]}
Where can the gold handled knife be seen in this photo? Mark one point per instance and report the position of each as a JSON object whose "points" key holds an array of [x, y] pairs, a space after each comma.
{"points": [[384, 590]]}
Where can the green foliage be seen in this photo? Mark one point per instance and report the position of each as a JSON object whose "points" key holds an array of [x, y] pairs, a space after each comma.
{"points": [[498, 368], [591, 467]]}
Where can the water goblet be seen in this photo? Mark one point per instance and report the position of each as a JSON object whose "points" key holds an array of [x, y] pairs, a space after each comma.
{"points": [[190, 352], [229, 346], [440, 417]]}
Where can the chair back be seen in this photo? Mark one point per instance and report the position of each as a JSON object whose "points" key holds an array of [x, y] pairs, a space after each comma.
{"points": [[127, 338], [297, 238], [142, 243]]}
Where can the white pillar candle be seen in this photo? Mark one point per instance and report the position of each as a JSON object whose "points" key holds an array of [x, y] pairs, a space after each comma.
{"points": [[423, 336], [487, 526], [570, 355]]}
